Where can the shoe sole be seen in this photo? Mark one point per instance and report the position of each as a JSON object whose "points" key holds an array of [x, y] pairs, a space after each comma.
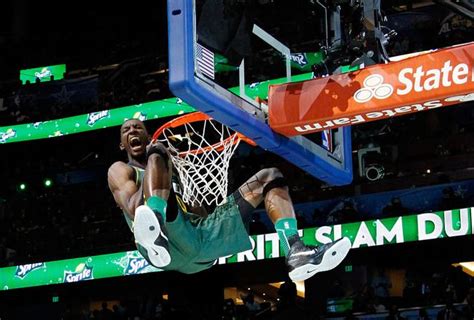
{"points": [[146, 230], [331, 259]]}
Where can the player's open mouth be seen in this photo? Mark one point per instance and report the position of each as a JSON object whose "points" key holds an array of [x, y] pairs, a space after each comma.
{"points": [[135, 143]]}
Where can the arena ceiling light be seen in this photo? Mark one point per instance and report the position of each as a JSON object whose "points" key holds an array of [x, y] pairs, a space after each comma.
{"points": [[48, 183]]}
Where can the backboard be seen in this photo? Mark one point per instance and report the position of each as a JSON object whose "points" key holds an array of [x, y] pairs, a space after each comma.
{"points": [[221, 60]]}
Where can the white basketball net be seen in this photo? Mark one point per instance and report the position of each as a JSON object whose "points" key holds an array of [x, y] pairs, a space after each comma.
{"points": [[202, 165]]}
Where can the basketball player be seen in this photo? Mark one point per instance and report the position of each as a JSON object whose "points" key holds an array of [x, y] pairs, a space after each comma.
{"points": [[172, 237]]}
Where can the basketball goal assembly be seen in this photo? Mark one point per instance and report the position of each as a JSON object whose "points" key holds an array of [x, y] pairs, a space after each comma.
{"points": [[200, 150], [330, 104]]}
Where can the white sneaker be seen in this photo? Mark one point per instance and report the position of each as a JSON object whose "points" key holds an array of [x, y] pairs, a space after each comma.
{"points": [[150, 236], [305, 261]]}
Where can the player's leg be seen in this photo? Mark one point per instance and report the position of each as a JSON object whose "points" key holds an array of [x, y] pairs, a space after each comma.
{"points": [[157, 178], [269, 185], [149, 229], [303, 261]]}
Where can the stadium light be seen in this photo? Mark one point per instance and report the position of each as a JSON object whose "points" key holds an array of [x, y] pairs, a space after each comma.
{"points": [[47, 182]]}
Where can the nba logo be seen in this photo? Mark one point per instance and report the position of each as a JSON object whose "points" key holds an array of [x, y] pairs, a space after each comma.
{"points": [[327, 140]]}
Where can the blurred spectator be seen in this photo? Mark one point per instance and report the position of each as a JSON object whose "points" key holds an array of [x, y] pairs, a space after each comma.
{"points": [[400, 46], [450, 292], [119, 312], [411, 292], [349, 213], [287, 293], [449, 313], [394, 313], [364, 298], [438, 289], [344, 212], [423, 315], [382, 284], [106, 313], [228, 310], [468, 310], [287, 307], [337, 290], [395, 209], [451, 200], [379, 307], [250, 304]]}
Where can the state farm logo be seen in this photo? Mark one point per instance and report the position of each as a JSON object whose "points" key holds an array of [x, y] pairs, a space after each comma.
{"points": [[373, 88], [440, 81]]}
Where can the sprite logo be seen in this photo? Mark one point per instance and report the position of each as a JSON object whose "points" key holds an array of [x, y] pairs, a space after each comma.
{"points": [[23, 270], [82, 272], [139, 116], [45, 72], [299, 59], [57, 133], [4, 136], [93, 117], [135, 265]]}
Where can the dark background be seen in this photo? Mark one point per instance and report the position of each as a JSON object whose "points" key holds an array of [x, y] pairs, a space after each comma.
{"points": [[125, 46]]}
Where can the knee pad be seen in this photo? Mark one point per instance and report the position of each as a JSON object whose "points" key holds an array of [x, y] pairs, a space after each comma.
{"points": [[279, 182]]}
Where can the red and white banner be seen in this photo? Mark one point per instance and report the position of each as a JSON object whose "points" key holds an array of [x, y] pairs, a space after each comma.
{"points": [[437, 79]]}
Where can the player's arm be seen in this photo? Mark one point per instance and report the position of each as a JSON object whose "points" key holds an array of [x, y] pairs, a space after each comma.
{"points": [[127, 194]]}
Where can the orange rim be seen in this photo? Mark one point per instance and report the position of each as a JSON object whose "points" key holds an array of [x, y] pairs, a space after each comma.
{"points": [[196, 117]]}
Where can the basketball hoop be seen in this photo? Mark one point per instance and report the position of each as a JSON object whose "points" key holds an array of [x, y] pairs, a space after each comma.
{"points": [[200, 150]]}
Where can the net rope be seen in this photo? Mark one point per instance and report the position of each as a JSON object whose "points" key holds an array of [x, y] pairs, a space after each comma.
{"points": [[202, 165]]}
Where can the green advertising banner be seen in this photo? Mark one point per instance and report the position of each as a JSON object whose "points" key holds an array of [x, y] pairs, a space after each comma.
{"points": [[144, 111], [260, 89], [43, 73], [74, 270], [305, 60], [93, 121], [426, 226], [115, 117]]}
